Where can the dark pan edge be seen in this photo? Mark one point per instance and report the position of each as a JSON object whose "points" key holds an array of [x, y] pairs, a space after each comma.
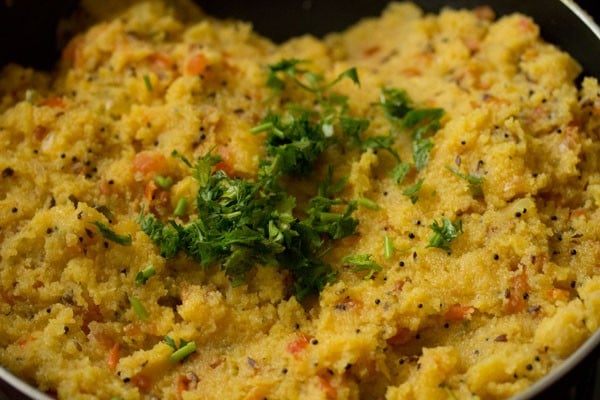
{"points": [[12, 386]]}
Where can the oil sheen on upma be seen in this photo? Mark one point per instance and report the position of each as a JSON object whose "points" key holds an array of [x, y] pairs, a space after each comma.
{"points": [[404, 210]]}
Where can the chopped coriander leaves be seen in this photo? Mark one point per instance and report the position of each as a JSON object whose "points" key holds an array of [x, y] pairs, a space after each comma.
{"points": [[181, 352], [306, 79], [242, 223], [142, 277], [294, 142], [363, 262], [238, 223], [421, 149], [138, 308], [474, 182], [400, 172], [423, 122], [165, 236], [123, 240], [396, 103], [413, 191], [444, 234]]}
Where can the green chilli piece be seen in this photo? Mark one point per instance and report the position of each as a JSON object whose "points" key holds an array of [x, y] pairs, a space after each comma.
{"points": [[142, 277], [163, 182], [183, 352], [148, 83], [181, 207], [388, 247]]}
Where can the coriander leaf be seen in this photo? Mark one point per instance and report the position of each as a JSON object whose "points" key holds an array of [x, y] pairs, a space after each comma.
{"points": [[170, 342], [395, 102], [164, 235], [422, 116], [123, 240], [322, 220], [350, 73], [242, 223], [474, 182], [363, 262], [400, 172], [288, 66], [421, 149], [429, 117], [312, 275], [294, 143], [353, 128], [413, 191], [176, 154], [445, 233], [203, 167], [328, 188]]}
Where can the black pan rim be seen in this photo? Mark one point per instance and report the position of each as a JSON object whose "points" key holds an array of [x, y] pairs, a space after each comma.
{"points": [[26, 391]]}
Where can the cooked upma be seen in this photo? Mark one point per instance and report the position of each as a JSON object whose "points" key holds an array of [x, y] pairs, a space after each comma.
{"points": [[404, 210]]}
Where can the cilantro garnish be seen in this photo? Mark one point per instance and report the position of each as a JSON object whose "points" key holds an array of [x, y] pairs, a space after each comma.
{"points": [[123, 240], [306, 79], [363, 262], [421, 149], [474, 182], [413, 191], [239, 223], [444, 234], [298, 137], [400, 172], [423, 122], [242, 223]]}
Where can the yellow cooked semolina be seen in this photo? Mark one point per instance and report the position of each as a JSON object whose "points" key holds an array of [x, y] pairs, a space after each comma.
{"points": [[516, 293]]}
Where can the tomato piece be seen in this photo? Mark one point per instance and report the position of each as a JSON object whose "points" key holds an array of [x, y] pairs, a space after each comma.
{"points": [[113, 357], [298, 344], [55, 102], [458, 312], [196, 64], [402, 336], [327, 388], [161, 61], [142, 382], [149, 162]]}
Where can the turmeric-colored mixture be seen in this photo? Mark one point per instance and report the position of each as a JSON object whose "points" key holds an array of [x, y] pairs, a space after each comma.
{"points": [[420, 218]]}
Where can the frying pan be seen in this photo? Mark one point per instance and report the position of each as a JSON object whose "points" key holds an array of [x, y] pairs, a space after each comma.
{"points": [[562, 22]]}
